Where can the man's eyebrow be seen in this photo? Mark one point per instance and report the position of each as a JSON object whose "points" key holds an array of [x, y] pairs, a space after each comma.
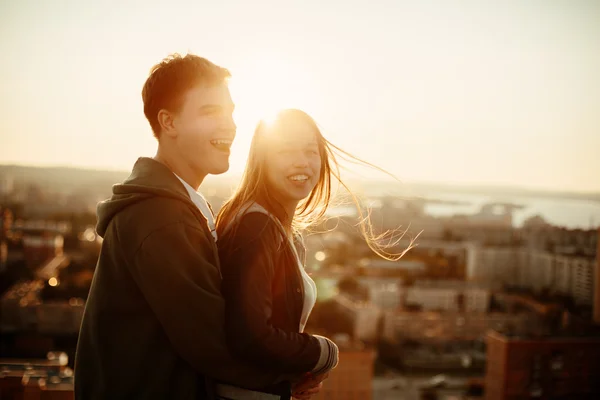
{"points": [[207, 107]]}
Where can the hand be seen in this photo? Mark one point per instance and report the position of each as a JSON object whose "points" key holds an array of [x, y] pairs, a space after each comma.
{"points": [[309, 386], [307, 393]]}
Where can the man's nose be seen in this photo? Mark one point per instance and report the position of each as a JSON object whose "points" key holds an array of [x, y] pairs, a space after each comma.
{"points": [[230, 126]]}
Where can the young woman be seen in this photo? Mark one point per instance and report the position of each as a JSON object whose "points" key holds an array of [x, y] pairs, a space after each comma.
{"points": [[269, 296]]}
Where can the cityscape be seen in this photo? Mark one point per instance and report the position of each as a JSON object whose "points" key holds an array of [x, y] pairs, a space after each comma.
{"points": [[499, 302], [479, 126]]}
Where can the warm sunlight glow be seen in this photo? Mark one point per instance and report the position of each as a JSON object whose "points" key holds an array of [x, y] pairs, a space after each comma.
{"points": [[270, 117], [260, 88]]}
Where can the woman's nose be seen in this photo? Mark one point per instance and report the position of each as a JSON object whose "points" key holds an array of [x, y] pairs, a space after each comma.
{"points": [[300, 160]]}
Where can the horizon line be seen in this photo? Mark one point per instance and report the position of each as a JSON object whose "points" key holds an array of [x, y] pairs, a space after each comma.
{"points": [[231, 176]]}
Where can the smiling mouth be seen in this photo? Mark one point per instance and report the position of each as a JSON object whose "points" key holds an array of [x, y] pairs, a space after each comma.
{"points": [[298, 178], [222, 144]]}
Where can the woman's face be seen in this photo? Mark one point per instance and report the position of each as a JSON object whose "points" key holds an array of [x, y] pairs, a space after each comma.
{"points": [[293, 161]]}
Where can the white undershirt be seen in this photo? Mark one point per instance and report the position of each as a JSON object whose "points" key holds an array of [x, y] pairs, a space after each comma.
{"points": [[310, 289], [202, 205]]}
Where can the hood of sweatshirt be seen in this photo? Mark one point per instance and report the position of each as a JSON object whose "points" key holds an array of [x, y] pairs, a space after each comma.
{"points": [[149, 178]]}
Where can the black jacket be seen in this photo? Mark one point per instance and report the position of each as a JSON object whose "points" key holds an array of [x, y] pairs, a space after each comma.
{"points": [[153, 326], [264, 295]]}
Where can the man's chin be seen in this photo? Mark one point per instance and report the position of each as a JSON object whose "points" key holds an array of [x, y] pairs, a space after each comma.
{"points": [[219, 170]]}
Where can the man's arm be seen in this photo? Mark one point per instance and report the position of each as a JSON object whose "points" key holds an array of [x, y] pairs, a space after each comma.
{"points": [[182, 287]]}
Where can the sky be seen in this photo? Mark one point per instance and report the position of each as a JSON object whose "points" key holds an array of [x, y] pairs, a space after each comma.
{"points": [[467, 92]]}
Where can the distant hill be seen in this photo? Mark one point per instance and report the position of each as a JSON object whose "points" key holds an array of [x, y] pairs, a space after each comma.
{"points": [[65, 178], [71, 179], [425, 189], [499, 191], [79, 179]]}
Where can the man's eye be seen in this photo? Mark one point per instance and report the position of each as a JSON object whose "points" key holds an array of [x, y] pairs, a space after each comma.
{"points": [[211, 111]]}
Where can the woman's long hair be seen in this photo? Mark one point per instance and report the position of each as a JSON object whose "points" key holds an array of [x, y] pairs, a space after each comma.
{"points": [[253, 188]]}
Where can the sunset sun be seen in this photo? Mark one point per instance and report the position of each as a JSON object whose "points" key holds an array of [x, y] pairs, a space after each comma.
{"points": [[261, 87]]}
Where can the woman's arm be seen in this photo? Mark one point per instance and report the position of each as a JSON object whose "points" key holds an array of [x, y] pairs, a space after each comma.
{"points": [[248, 272]]}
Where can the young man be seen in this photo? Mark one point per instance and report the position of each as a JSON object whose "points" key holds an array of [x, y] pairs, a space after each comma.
{"points": [[154, 319]]}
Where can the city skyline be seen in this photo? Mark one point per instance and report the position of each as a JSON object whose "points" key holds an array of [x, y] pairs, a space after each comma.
{"points": [[450, 92]]}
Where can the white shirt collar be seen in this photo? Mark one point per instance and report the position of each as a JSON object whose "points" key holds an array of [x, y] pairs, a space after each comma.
{"points": [[202, 205]]}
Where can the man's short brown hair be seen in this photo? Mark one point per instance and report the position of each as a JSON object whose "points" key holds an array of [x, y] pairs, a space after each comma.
{"points": [[171, 78]]}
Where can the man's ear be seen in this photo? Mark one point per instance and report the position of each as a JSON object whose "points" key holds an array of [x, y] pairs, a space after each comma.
{"points": [[166, 120]]}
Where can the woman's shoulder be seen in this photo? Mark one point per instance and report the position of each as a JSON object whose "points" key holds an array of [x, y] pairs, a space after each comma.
{"points": [[255, 222], [252, 226]]}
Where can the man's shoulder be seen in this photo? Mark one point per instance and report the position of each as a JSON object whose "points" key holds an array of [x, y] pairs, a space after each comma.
{"points": [[158, 210], [151, 215]]}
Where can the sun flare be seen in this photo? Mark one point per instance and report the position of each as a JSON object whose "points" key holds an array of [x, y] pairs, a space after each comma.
{"points": [[260, 88]]}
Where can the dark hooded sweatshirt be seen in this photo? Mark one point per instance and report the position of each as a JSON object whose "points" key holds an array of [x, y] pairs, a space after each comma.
{"points": [[153, 326]]}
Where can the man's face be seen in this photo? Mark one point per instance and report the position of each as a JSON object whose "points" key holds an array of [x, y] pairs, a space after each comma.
{"points": [[205, 128]]}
